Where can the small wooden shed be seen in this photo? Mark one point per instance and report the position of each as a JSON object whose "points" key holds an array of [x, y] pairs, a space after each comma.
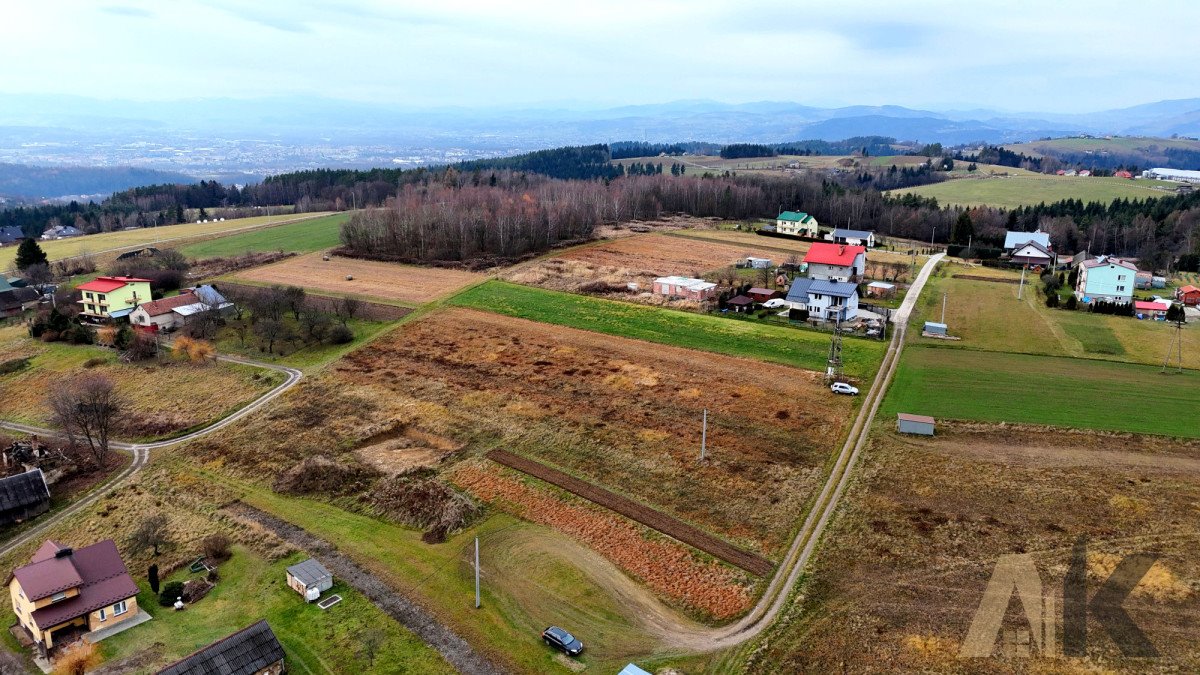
{"points": [[309, 578], [740, 303], [915, 424]]}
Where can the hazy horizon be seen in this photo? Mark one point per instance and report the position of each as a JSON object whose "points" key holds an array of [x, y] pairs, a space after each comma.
{"points": [[1061, 58]]}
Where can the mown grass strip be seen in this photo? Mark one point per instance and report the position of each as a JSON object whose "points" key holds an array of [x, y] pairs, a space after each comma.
{"points": [[300, 237], [1015, 388], [789, 346]]}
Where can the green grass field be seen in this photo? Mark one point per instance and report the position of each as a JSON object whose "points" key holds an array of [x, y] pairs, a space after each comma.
{"points": [[315, 640], [1017, 191], [1077, 393], [302, 237], [1116, 143], [789, 346]]}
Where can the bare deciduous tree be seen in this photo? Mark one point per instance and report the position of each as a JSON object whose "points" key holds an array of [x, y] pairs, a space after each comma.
{"points": [[87, 407], [152, 532]]}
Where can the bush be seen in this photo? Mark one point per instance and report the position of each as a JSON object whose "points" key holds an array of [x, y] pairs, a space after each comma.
{"points": [[216, 547], [95, 361], [123, 338], [1072, 303], [14, 365], [79, 334], [170, 592], [340, 335], [1051, 299]]}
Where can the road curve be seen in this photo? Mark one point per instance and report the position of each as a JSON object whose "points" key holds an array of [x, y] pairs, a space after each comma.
{"points": [[141, 451], [763, 614]]}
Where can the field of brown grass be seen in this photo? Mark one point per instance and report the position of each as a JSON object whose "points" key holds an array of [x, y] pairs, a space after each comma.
{"points": [[164, 396], [638, 259], [905, 566], [373, 280]]}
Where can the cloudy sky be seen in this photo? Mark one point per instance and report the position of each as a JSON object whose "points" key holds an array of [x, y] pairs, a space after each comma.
{"points": [[1052, 56]]}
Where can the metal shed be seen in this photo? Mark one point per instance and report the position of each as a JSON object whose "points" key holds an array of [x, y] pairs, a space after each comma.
{"points": [[915, 424], [934, 328], [309, 578]]}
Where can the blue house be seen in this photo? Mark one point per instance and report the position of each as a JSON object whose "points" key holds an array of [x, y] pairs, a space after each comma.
{"points": [[1106, 278]]}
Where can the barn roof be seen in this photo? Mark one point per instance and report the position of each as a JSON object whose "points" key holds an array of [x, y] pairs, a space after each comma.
{"points": [[740, 300], [244, 653], [309, 572], [23, 489]]}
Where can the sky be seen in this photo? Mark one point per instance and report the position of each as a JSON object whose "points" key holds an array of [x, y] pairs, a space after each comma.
{"points": [[1055, 56]]}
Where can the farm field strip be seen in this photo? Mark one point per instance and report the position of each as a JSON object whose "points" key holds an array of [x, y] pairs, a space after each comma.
{"points": [[777, 344], [371, 279], [992, 386], [1013, 191], [302, 236], [649, 517], [112, 242]]}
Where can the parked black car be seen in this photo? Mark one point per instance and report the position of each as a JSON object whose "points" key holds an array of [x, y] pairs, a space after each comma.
{"points": [[561, 639]]}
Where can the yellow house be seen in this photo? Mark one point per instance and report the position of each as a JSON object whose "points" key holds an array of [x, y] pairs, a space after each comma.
{"points": [[106, 298], [63, 588], [797, 224]]}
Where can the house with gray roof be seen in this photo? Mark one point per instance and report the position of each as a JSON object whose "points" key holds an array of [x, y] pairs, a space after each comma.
{"points": [[852, 237], [23, 496], [254, 650], [825, 300], [1013, 240]]}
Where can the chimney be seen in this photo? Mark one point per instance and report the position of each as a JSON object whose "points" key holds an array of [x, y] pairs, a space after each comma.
{"points": [[64, 552]]}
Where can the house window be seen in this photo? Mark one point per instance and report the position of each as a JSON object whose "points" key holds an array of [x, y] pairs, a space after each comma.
{"points": [[89, 296], [1120, 288], [103, 615], [100, 297], [58, 597], [120, 608]]}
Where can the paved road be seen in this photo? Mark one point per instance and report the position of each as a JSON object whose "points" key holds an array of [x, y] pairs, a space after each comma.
{"points": [[141, 451], [778, 592]]}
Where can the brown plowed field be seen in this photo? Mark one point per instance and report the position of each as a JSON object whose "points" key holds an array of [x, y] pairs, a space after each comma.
{"points": [[672, 527], [637, 259], [620, 413], [394, 282]]}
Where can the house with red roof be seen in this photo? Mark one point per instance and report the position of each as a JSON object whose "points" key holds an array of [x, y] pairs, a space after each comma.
{"points": [[1188, 295], [1151, 310], [108, 298], [836, 262], [64, 588]]}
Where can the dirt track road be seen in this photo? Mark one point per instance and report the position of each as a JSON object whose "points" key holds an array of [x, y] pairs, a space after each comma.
{"points": [[141, 451]]}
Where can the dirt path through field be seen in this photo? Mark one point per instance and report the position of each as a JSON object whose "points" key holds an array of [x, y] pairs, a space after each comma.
{"points": [[412, 616]]}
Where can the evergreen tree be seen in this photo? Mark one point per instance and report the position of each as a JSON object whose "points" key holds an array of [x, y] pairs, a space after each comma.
{"points": [[962, 230], [29, 253], [153, 578]]}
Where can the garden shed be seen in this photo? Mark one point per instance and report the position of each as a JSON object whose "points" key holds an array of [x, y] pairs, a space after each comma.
{"points": [[915, 424], [309, 578], [934, 328], [740, 303]]}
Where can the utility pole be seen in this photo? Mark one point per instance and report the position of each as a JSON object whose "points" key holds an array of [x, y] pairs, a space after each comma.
{"points": [[1177, 348], [1021, 288], [704, 435], [943, 321], [476, 572]]}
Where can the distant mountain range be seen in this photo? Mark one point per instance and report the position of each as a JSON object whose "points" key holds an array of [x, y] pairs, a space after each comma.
{"points": [[58, 125], [60, 183]]}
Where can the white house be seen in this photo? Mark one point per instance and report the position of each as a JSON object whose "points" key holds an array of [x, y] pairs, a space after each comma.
{"points": [[171, 313], [797, 223], [852, 237], [836, 262], [1033, 253], [825, 300], [685, 287], [1106, 278]]}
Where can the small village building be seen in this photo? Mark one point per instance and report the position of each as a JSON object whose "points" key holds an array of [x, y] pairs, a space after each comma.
{"points": [[1122, 174], [147, 252], [934, 328], [1143, 280], [881, 289], [1151, 310], [1158, 282], [309, 578], [825, 300], [1106, 278], [1188, 295], [1033, 253], [759, 294], [758, 263], [686, 288], [852, 237], [836, 262], [14, 301], [1013, 240], [173, 312], [798, 224], [1181, 175], [1085, 173], [11, 235], [62, 232], [23, 496], [108, 298], [254, 650], [740, 303], [63, 588], [914, 424]]}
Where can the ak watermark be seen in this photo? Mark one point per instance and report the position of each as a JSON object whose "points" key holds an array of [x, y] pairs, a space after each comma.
{"points": [[1018, 574]]}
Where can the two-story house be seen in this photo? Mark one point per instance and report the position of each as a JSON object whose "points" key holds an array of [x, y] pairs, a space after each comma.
{"points": [[825, 300], [797, 223], [852, 237], [62, 588], [107, 298], [836, 262], [1106, 278]]}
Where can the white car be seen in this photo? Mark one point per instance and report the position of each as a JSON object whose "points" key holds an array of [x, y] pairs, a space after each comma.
{"points": [[843, 388]]}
